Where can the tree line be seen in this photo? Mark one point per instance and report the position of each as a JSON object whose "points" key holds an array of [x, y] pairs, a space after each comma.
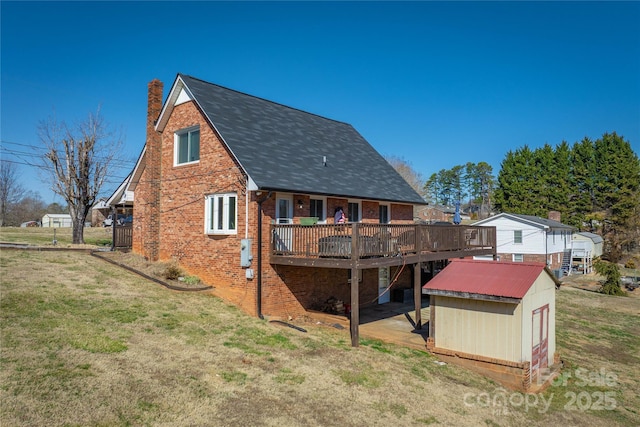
{"points": [[594, 184], [18, 205]]}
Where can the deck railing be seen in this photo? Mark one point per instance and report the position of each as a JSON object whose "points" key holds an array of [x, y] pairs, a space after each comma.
{"points": [[376, 240]]}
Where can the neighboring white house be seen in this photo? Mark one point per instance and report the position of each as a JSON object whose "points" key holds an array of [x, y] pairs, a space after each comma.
{"points": [[526, 238], [56, 220], [502, 326]]}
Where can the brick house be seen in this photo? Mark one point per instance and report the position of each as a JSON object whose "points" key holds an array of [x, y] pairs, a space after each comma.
{"points": [[527, 238], [241, 192]]}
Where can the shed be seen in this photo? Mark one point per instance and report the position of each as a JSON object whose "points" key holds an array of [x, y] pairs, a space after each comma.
{"points": [[56, 220], [593, 241], [496, 318]]}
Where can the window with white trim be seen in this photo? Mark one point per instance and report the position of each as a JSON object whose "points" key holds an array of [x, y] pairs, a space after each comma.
{"points": [[517, 236], [354, 212], [221, 214], [187, 146], [518, 258]]}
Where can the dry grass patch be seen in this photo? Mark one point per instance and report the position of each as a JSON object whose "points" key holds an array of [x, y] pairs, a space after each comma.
{"points": [[84, 342]]}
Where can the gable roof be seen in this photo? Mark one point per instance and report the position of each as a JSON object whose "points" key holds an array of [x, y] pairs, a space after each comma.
{"points": [[286, 149], [536, 221], [486, 280]]}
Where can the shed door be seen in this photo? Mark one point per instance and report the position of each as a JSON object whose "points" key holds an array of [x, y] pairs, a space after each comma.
{"points": [[540, 340]]}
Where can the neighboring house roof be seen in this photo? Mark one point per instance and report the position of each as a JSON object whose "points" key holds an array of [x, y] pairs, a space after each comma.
{"points": [[122, 195], [63, 216], [536, 221], [486, 280], [284, 149], [100, 204], [595, 238]]}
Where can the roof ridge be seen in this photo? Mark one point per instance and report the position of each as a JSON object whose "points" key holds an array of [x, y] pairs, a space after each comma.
{"points": [[264, 99]]}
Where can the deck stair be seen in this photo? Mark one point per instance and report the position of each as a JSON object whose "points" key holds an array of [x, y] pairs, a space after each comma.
{"points": [[566, 262]]}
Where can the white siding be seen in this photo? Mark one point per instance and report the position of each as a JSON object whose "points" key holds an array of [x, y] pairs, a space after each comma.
{"points": [[558, 241], [56, 220], [533, 238]]}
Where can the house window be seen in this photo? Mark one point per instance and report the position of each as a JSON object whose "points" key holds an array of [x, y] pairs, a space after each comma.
{"points": [[384, 214], [317, 209], [517, 236], [221, 214], [354, 212], [284, 210], [187, 146], [518, 258]]}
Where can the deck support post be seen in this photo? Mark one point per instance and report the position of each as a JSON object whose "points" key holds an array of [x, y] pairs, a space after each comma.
{"points": [[355, 308], [354, 318], [417, 293]]}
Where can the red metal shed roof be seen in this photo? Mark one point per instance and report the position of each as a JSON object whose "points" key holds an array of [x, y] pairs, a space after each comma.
{"points": [[491, 278]]}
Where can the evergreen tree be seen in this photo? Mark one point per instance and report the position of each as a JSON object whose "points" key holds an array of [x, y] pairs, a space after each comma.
{"points": [[618, 192], [517, 188], [582, 181], [561, 196]]}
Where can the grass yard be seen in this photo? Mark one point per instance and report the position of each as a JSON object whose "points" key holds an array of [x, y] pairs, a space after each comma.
{"points": [[44, 236], [84, 343]]}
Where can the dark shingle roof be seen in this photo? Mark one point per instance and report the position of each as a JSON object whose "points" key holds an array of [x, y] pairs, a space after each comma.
{"points": [[544, 221], [282, 148]]}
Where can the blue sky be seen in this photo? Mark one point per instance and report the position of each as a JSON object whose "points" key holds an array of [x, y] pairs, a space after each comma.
{"points": [[437, 84]]}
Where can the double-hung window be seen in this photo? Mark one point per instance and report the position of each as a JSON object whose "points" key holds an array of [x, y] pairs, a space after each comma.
{"points": [[517, 236], [187, 146], [221, 214]]}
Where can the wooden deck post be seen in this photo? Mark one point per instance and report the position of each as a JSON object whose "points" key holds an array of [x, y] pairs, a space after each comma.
{"points": [[417, 293], [354, 319], [417, 281]]}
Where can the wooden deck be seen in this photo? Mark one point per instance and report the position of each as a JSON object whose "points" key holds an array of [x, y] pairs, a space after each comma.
{"points": [[376, 245]]}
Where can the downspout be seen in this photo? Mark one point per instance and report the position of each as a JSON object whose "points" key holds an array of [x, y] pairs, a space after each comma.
{"points": [[546, 248], [259, 285]]}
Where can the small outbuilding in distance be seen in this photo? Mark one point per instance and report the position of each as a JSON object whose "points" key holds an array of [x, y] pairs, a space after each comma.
{"points": [[56, 220], [496, 318]]}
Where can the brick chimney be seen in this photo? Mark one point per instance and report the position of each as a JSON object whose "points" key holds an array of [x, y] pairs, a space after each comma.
{"points": [[554, 216], [153, 165]]}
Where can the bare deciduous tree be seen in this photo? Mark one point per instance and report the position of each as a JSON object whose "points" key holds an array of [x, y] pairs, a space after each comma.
{"points": [[404, 168], [78, 160], [10, 188]]}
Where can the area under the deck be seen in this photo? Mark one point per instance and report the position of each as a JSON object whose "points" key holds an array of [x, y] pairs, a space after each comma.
{"points": [[392, 322]]}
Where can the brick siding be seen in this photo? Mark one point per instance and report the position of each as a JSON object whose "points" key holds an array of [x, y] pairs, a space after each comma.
{"points": [[170, 219]]}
